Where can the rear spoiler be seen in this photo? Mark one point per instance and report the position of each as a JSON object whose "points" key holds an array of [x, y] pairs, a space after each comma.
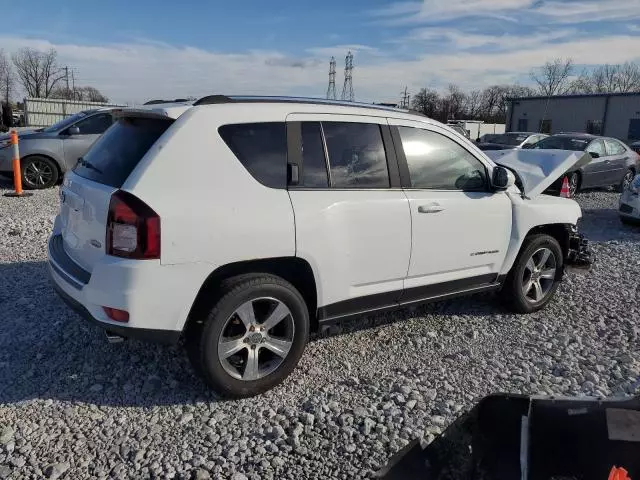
{"points": [[144, 113]]}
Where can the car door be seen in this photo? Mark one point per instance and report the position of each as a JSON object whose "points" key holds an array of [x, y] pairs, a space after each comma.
{"points": [[75, 145], [352, 218], [460, 227], [618, 157], [597, 172]]}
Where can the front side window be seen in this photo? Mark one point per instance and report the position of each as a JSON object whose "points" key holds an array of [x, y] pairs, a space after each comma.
{"points": [[95, 125], [437, 162], [596, 147], [356, 155], [261, 148], [614, 147]]}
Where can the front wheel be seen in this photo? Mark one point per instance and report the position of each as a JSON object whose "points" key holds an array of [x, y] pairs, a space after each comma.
{"points": [[535, 275], [253, 337], [39, 172], [574, 184]]}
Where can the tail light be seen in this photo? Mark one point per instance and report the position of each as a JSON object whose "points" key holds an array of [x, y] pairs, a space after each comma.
{"points": [[133, 228]]}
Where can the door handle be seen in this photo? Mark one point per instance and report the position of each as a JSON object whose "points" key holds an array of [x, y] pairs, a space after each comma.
{"points": [[430, 208]]}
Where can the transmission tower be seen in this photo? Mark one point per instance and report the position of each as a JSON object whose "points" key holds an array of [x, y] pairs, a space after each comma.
{"points": [[347, 89], [405, 102], [331, 89]]}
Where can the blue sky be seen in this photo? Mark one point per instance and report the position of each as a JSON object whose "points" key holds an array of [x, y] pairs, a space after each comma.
{"points": [[140, 49]]}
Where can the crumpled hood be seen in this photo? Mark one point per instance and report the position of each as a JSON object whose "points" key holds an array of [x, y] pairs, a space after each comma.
{"points": [[538, 169]]}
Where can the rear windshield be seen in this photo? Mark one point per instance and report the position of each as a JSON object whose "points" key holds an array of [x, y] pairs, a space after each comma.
{"points": [[563, 143], [114, 155], [512, 140]]}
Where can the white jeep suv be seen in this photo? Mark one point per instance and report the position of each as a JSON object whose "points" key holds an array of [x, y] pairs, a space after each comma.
{"points": [[242, 224]]}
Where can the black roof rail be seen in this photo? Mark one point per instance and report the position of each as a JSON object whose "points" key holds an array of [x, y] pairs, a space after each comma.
{"points": [[158, 102], [222, 99]]}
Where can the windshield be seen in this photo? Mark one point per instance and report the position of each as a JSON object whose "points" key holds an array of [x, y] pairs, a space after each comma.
{"points": [[65, 122], [508, 139], [563, 143]]}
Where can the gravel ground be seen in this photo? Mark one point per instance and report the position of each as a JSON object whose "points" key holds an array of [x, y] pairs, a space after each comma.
{"points": [[73, 406]]}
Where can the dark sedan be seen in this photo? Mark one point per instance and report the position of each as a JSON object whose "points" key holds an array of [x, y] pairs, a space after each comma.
{"points": [[613, 163], [506, 141]]}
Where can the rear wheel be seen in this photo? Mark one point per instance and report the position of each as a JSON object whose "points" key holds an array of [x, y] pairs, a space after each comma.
{"points": [[39, 172], [626, 180], [535, 275], [252, 338]]}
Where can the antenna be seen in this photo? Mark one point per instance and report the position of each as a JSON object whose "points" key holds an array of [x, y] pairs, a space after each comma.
{"points": [[331, 89], [347, 89]]}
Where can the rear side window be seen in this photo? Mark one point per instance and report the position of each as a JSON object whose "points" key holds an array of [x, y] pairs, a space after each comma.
{"points": [[356, 155], [261, 148], [315, 165], [95, 125], [614, 147], [113, 157]]}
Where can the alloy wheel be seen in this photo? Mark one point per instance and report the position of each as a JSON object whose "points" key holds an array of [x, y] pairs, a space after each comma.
{"points": [[256, 338], [539, 275], [573, 185], [626, 180], [38, 174]]}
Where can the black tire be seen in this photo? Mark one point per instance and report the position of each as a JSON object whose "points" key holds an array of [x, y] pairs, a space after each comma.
{"points": [[626, 180], [512, 291], [574, 184], [202, 336], [39, 172]]}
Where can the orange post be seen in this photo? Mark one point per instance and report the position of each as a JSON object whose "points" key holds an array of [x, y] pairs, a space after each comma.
{"points": [[17, 174], [618, 473]]}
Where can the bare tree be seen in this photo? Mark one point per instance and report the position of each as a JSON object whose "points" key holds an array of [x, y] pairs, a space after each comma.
{"points": [[628, 78], [553, 77], [38, 71], [452, 103], [426, 102], [473, 104], [7, 78], [92, 94]]}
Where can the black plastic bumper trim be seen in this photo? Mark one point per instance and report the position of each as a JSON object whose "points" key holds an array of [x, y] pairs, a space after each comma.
{"points": [[166, 337], [64, 266]]}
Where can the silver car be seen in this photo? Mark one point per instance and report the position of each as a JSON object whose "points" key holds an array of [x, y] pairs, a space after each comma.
{"points": [[46, 154]]}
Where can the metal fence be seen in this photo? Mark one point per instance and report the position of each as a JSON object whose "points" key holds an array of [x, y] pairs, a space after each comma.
{"points": [[42, 112]]}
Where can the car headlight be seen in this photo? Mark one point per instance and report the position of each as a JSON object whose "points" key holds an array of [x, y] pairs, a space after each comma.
{"points": [[634, 186]]}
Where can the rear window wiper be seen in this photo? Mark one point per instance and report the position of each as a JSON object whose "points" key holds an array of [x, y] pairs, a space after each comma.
{"points": [[89, 165]]}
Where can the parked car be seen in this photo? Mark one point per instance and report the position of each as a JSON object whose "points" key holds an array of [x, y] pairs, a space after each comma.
{"points": [[47, 153], [629, 207], [244, 223], [613, 162], [506, 141]]}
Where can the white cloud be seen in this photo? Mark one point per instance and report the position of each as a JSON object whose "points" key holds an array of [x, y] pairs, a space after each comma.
{"points": [[594, 10], [405, 13], [136, 72]]}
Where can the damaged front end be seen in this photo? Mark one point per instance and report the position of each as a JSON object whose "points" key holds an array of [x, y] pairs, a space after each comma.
{"points": [[579, 258], [510, 437]]}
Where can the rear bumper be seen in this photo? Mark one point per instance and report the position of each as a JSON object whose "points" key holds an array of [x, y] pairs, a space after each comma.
{"points": [[167, 337], [157, 297]]}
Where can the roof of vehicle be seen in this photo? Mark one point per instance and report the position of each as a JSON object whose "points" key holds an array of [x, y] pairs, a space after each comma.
{"points": [[519, 133], [307, 105], [586, 136]]}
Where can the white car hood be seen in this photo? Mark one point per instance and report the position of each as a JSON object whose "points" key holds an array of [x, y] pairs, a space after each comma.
{"points": [[538, 169]]}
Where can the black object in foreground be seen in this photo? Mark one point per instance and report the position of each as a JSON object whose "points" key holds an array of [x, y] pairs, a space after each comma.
{"points": [[509, 437]]}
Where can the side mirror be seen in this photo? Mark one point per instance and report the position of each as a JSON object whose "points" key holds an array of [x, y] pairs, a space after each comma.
{"points": [[502, 178], [74, 130], [594, 155]]}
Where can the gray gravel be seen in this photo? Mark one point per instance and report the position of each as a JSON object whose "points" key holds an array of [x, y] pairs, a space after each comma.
{"points": [[73, 406]]}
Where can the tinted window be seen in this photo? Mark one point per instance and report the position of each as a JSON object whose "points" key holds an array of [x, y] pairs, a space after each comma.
{"points": [[437, 162], [356, 155], [563, 143], [596, 147], [65, 122], [314, 164], [614, 147], [115, 154], [261, 148], [512, 139], [95, 125]]}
